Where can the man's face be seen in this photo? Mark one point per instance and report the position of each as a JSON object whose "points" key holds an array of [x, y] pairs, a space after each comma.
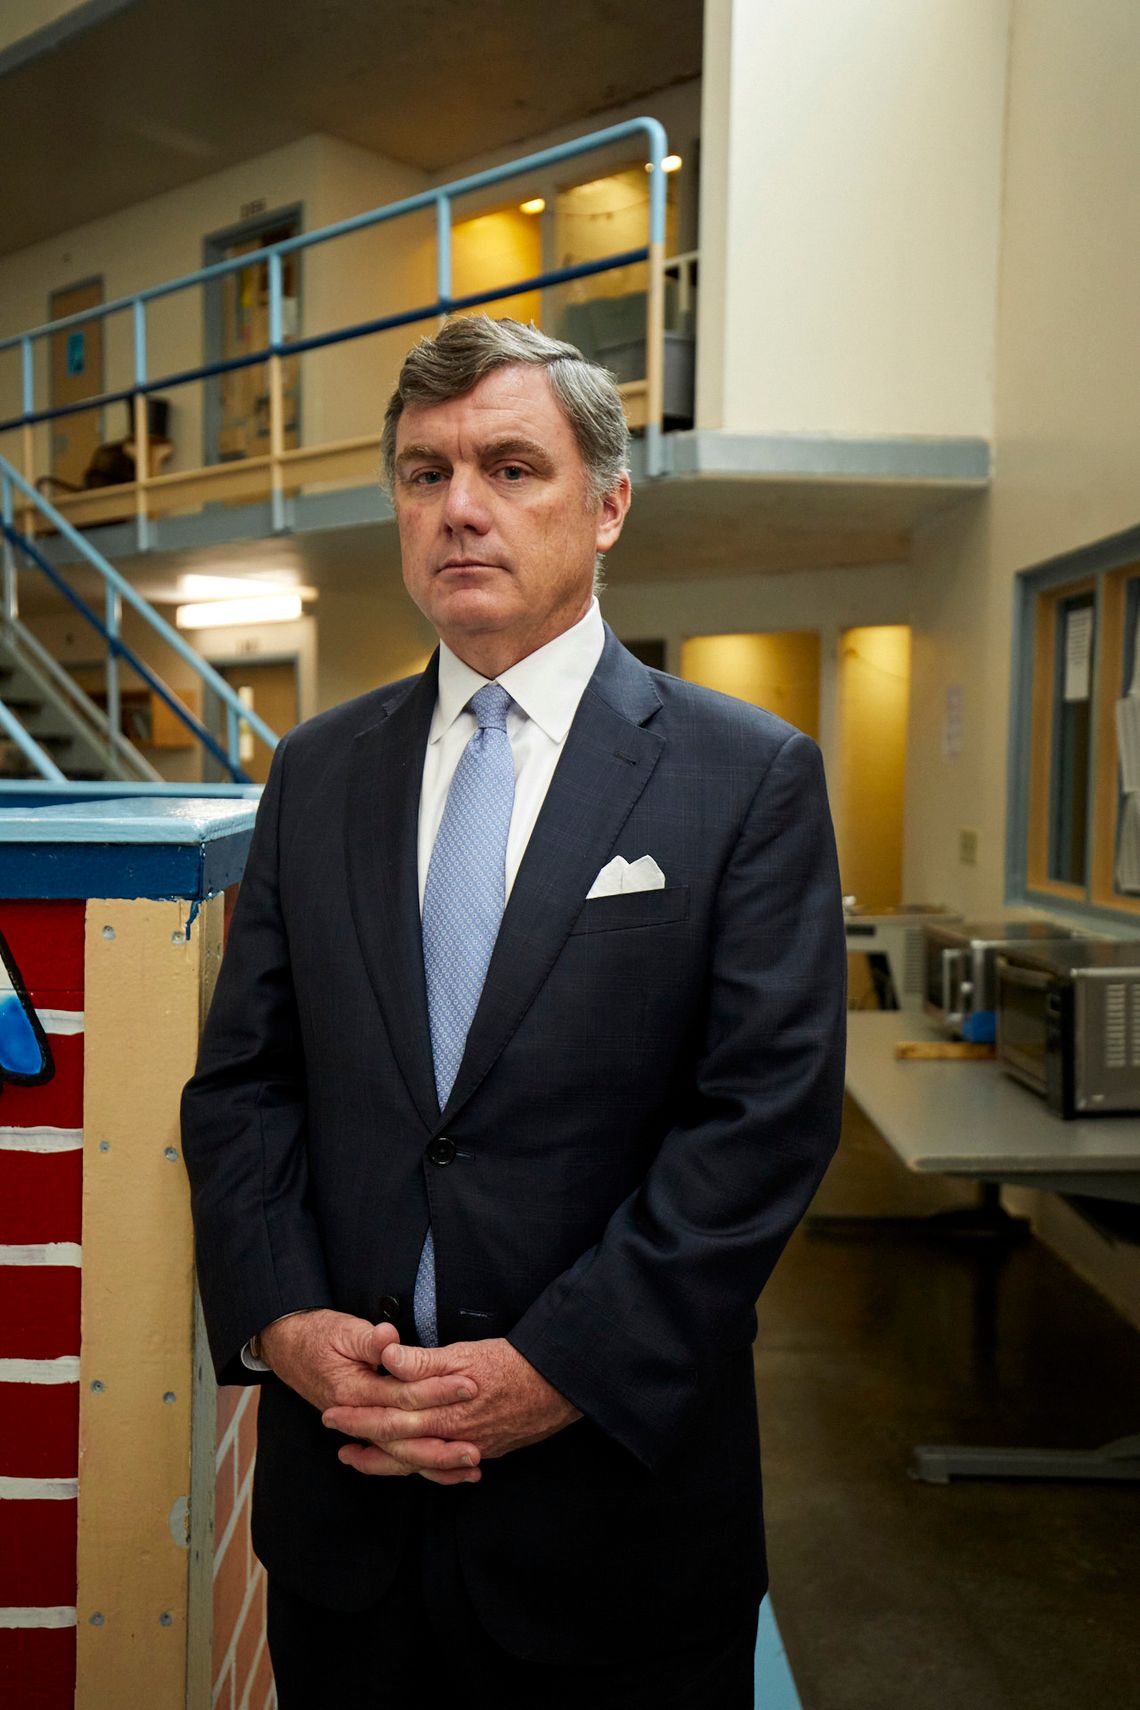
{"points": [[497, 537]]}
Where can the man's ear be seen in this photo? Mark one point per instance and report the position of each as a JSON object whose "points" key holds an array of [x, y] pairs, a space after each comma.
{"points": [[612, 513]]}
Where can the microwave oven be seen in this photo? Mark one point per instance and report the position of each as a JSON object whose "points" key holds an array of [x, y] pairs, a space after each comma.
{"points": [[1068, 1023], [959, 959], [892, 940]]}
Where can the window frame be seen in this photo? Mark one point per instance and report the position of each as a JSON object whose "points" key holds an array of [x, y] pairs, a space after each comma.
{"points": [[1106, 570]]}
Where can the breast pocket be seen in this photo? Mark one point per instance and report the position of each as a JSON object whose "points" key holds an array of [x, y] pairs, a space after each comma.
{"points": [[632, 909]]}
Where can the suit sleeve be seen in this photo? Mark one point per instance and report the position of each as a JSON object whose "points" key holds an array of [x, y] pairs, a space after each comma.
{"points": [[634, 1330], [244, 1123]]}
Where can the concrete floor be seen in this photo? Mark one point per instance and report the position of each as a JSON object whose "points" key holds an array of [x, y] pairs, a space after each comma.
{"points": [[894, 1595]]}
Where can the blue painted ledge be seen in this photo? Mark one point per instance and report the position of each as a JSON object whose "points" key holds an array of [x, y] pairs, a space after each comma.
{"points": [[775, 1688], [152, 845]]}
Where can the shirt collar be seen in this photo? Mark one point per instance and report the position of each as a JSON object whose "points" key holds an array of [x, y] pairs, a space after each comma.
{"points": [[546, 686]]}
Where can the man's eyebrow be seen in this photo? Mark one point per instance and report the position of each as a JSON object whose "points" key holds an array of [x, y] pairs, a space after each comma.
{"points": [[515, 445], [507, 445], [422, 453]]}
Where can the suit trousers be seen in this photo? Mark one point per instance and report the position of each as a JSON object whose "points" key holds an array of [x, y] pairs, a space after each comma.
{"points": [[423, 1644]]}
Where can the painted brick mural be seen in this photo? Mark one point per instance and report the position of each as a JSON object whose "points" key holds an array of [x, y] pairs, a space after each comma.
{"points": [[243, 1677], [41, 1183]]}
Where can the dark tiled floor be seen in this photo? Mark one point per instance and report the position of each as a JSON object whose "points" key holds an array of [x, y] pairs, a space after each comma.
{"points": [[894, 1595]]}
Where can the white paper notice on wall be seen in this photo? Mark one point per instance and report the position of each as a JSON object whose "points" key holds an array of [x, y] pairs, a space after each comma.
{"points": [[1078, 653], [1128, 742], [1128, 854], [952, 723]]}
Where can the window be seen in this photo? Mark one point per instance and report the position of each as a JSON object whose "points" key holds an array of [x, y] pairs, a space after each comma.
{"points": [[1075, 753]]}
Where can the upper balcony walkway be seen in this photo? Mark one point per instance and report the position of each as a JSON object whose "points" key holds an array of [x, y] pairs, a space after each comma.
{"points": [[634, 309]]}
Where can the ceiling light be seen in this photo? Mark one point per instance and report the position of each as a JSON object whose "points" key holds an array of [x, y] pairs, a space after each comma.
{"points": [[213, 614], [671, 163], [534, 206], [195, 587]]}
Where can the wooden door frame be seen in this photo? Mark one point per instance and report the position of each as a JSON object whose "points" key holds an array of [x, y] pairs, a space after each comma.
{"points": [[214, 247]]}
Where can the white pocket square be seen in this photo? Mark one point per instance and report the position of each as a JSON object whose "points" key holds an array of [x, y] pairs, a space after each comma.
{"points": [[620, 875]]}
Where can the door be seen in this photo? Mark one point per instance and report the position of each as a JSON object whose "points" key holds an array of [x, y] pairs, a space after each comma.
{"points": [[779, 671], [76, 364], [268, 688], [237, 322]]}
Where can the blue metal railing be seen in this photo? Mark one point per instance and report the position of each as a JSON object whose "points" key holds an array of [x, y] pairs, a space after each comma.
{"points": [[442, 201], [118, 590]]}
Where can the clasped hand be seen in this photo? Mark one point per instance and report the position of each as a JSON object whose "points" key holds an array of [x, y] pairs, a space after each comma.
{"points": [[438, 1412]]}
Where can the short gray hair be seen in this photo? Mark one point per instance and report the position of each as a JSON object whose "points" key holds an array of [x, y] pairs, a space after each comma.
{"points": [[470, 346]]}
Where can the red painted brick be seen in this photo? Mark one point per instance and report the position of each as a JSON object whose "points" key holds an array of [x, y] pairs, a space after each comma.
{"points": [[249, 1639], [228, 1399], [229, 1588], [224, 1492], [247, 1437], [41, 1196], [39, 1311], [37, 1668], [37, 1554], [46, 941], [262, 1681], [39, 1430], [225, 1699], [57, 1103]]}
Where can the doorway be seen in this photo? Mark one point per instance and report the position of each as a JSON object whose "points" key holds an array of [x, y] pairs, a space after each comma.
{"points": [[236, 415], [874, 700], [76, 365], [268, 687], [778, 671]]}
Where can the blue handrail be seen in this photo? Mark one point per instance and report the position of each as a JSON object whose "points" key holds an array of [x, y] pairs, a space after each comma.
{"points": [[122, 650], [320, 341], [441, 199], [119, 588]]}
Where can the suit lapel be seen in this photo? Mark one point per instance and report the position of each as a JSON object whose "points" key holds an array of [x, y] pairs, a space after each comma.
{"points": [[385, 778], [605, 765]]}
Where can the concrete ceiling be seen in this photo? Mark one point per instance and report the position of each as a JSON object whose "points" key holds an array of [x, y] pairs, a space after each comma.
{"points": [[166, 91]]}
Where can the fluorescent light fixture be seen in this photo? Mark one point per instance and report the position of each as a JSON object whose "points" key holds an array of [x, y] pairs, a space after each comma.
{"points": [[216, 614], [671, 163], [197, 587], [534, 206]]}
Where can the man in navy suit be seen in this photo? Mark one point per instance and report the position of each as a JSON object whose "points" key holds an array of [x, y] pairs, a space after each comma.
{"points": [[503, 1315]]}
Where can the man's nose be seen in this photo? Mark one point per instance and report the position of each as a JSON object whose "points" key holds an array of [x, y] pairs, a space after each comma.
{"points": [[466, 506]]}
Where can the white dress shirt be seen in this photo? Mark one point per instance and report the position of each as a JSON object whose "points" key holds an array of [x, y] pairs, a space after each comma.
{"points": [[546, 688]]}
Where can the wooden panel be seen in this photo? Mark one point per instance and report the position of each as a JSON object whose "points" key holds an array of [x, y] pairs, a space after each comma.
{"points": [[1110, 648], [272, 689], [143, 1000], [166, 728], [76, 361], [244, 429]]}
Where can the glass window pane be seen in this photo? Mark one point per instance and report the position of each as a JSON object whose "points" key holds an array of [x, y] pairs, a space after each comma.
{"points": [[1072, 728]]}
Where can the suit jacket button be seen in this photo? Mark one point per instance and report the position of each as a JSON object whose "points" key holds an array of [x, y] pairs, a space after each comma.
{"points": [[441, 1151], [389, 1308]]}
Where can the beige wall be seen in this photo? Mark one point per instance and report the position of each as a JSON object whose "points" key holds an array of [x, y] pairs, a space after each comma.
{"points": [[827, 601], [387, 269], [1067, 430], [874, 690], [153, 241], [779, 672], [20, 18], [851, 160]]}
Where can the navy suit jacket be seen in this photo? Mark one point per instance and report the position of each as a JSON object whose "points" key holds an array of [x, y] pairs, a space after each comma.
{"points": [[650, 1093]]}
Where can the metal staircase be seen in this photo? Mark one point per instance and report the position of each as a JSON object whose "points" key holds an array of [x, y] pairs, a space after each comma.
{"points": [[49, 728], [64, 724]]}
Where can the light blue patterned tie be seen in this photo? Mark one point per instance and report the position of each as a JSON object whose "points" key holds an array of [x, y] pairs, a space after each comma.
{"points": [[463, 906]]}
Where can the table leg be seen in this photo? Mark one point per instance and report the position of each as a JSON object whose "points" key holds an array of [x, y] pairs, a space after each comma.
{"points": [[1116, 1461], [987, 1220]]}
